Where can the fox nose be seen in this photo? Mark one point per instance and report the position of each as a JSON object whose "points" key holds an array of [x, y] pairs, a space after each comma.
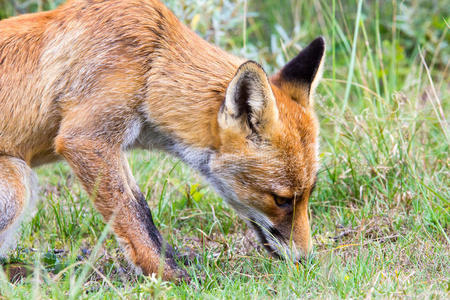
{"points": [[303, 250]]}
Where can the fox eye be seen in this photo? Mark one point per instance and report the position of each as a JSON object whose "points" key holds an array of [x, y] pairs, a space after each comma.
{"points": [[282, 201]]}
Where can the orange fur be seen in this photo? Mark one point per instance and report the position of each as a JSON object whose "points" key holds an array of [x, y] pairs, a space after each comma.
{"points": [[92, 78]]}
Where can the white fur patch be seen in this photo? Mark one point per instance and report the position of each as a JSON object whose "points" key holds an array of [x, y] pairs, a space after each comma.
{"points": [[29, 179], [132, 133]]}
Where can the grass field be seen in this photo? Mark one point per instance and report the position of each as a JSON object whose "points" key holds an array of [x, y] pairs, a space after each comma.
{"points": [[380, 212]]}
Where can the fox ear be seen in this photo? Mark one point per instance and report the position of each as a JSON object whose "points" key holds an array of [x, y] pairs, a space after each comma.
{"points": [[249, 104], [300, 77]]}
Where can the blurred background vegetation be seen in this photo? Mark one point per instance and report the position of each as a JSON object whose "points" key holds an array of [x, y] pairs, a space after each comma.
{"points": [[381, 211]]}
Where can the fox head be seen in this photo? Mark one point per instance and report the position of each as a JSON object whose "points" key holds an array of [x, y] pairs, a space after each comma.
{"points": [[267, 163]]}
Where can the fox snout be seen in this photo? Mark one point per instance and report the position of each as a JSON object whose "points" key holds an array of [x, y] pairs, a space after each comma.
{"points": [[285, 242]]}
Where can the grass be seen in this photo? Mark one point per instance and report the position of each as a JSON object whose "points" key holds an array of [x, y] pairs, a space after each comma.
{"points": [[380, 213]]}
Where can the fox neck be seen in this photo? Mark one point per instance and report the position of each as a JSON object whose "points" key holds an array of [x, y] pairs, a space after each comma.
{"points": [[186, 89]]}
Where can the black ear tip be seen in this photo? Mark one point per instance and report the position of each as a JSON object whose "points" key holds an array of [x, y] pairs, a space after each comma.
{"points": [[318, 44], [303, 68]]}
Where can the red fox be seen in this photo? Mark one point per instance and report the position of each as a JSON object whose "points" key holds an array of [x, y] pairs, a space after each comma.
{"points": [[93, 78]]}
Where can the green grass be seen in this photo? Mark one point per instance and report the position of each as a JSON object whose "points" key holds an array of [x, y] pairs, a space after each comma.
{"points": [[380, 213]]}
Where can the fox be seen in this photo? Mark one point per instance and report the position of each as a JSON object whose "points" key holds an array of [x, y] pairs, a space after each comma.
{"points": [[92, 79]]}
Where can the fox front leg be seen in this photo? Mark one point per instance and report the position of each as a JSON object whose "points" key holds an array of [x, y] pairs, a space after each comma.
{"points": [[104, 172]]}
